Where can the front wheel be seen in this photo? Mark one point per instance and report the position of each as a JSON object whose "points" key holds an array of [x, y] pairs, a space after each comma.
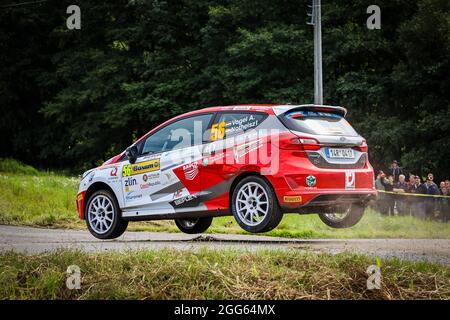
{"points": [[195, 225], [343, 217], [103, 216]]}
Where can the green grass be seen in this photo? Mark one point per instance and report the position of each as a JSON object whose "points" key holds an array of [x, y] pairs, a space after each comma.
{"points": [[46, 199], [210, 274]]}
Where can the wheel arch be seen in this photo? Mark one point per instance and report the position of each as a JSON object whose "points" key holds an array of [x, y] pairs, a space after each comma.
{"points": [[94, 188], [246, 174]]}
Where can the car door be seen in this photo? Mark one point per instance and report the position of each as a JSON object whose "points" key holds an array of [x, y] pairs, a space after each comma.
{"points": [[225, 153], [165, 171]]}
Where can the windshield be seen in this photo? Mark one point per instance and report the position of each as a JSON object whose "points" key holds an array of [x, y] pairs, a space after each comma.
{"points": [[320, 123]]}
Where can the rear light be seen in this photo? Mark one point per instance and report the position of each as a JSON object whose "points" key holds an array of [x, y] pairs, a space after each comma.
{"points": [[289, 141], [363, 146]]}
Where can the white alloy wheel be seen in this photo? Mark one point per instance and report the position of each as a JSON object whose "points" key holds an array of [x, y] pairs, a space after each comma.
{"points": [[252, 203], [101, 214]]}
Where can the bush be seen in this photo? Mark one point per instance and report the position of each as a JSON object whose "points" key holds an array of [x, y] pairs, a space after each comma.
{"points": [[14, 166]]}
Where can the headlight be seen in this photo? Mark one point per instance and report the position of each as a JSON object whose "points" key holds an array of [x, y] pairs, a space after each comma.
{"points": [[86, 173]]}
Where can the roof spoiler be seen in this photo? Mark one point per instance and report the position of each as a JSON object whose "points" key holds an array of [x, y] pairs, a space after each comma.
{"points": [[335, 109]]}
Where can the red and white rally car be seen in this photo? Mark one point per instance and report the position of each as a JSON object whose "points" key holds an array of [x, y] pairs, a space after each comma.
{"points": [[254, 162]]}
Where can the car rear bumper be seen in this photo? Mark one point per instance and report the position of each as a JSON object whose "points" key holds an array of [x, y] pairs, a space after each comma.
{"points": [[300, 184]]}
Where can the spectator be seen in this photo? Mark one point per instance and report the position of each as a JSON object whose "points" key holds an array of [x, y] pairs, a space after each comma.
{"points": [[389, 200], [444, 203], [379, 185], [432, 189], [417, 203], [395, 170], [401, 202]]}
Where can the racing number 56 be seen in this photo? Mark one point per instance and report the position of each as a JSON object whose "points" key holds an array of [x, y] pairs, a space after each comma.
{"points": [[218, 131]]}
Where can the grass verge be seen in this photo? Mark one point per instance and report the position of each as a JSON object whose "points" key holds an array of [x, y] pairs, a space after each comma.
{"points": [[34, 198], [209, 274]]}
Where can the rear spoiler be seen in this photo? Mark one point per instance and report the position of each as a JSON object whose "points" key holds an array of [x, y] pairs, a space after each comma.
{"points": [[334, 109]]}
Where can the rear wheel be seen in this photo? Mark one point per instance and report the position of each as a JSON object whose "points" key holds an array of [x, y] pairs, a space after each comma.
{"points": [[194, 225], [254, 205], [103, 216], [344, 216]]}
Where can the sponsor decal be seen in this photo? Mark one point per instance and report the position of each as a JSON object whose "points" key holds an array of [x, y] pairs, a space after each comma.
{"points": [[149, 184], [243, 149], [190, 170], [177, 193], [205, 162], [142, 167], [350, 180], [241, 108], [188, 198], [145, 178], [311, 181], [133, 196], [80, 197], [292, 198], [130, 182], [113, 172]]}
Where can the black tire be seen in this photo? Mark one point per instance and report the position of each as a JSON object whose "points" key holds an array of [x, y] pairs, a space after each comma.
{"points": [[354, 214], [274, 214], [118, 225], [194, 225]]}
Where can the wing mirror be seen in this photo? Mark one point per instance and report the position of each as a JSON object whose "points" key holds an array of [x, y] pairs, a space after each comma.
{"points": [[132, 153]]}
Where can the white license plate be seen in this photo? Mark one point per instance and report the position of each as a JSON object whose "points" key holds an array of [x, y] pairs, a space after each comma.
{"points": [[334, 153]]}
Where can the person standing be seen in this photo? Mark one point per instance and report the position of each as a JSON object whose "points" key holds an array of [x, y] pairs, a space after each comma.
{"points": [[395, 171], [432, 190], [390, 200], [418, 202], [381, 204], [400, 200]]}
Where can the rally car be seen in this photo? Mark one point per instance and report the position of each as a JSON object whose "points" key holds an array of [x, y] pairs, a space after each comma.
{"points": [[255, 162]]}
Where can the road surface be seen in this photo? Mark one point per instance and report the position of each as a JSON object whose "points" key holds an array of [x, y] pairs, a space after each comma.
{"points": [[38, 240]]}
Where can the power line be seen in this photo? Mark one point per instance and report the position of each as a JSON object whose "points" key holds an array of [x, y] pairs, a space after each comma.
{"points": [[22, 4]]}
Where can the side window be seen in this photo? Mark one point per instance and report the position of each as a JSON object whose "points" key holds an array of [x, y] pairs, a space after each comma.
{"points": [[230, 124], [180, 134]]}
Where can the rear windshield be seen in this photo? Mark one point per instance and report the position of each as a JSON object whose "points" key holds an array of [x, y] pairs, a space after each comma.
{"points": [[320, 123]]}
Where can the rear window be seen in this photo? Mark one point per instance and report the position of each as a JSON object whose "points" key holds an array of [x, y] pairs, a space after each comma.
{"points": [[318, 122]]}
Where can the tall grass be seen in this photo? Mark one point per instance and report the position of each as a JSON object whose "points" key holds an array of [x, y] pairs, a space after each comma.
{"points": [[216, 274]]}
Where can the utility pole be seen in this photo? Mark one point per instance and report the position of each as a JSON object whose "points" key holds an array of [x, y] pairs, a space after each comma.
{"points": [[317, 23]]}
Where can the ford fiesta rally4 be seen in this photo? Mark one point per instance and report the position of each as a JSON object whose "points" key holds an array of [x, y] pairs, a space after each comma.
{"points": [[255, 162]]}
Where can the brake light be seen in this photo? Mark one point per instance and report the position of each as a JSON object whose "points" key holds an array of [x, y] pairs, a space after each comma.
{"points": [[289, 141], [363, 146]]}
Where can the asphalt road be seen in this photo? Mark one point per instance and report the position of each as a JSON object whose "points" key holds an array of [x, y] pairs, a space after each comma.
{"points": [[38, 240]]}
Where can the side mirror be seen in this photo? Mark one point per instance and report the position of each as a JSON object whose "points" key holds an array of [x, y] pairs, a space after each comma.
{"points": [[132, 153]]}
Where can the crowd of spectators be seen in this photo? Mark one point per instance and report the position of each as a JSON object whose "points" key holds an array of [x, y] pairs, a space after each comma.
{"points": [[407, 194]]}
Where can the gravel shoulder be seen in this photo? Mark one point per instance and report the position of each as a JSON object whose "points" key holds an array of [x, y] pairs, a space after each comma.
{"points": [[37, 240]]}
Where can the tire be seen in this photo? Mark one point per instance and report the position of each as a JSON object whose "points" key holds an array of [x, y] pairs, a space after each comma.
{"points": [[194, 225], [97, 218], [353, 213], [254, 205]]}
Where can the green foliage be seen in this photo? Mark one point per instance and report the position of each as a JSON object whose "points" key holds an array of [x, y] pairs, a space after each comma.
{"points": [[14, 166], [81, 96]]}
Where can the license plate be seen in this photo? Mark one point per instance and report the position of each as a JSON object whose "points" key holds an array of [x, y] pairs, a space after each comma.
{"points": [[335, 153]]}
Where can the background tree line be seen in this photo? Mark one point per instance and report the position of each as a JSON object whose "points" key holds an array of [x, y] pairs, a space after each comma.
{"points": [[72, 98]]}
